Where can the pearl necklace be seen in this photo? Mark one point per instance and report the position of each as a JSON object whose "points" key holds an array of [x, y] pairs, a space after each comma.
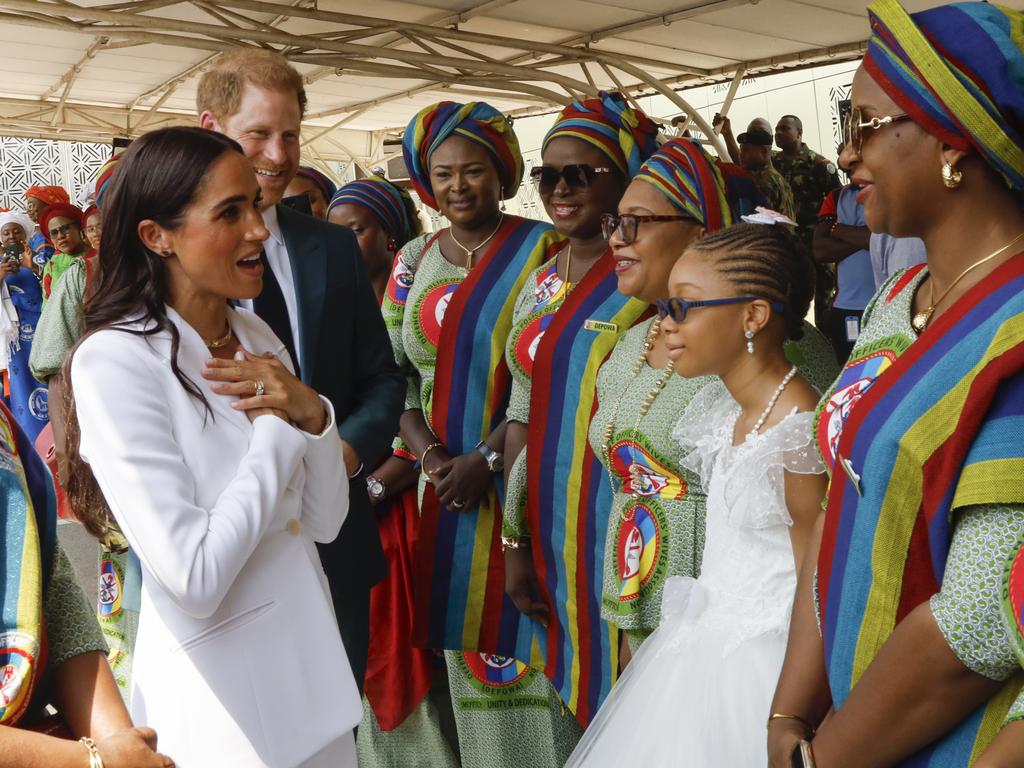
{"points": [[652, 395], [470, 252], [771, 402]]}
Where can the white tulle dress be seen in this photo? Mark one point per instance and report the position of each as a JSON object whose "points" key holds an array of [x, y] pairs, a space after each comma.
{"points": [[698, 691]]}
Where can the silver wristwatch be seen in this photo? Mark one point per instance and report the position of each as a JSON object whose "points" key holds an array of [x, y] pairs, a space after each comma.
{"points": [[375, 488], [495, 461]]}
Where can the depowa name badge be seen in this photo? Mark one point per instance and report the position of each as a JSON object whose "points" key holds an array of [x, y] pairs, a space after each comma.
{"points": [[600, 326]]}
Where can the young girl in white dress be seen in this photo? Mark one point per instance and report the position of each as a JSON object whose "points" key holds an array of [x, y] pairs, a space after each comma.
{"points": [[699, 690]]}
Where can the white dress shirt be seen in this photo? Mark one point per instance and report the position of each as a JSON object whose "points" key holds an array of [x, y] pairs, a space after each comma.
{"points": [[277, 258]]}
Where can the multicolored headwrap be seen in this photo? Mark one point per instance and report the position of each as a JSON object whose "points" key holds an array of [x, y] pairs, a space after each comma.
{"points": [[625, 134], [388, 202], [103, 178], [49, 195], [327, 186], [476, 121], [21, 219], [72, 212], [690, 179], [958, 71]]}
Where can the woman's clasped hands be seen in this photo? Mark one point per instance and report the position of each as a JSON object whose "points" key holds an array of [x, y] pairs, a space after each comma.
{"points": [[263, 385]]}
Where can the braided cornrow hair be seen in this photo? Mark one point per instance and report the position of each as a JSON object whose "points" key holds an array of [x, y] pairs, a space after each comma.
{"points": [[764, 260]]}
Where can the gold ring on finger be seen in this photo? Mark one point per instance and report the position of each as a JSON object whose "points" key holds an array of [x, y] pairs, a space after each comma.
{"points": [[260, 388]]}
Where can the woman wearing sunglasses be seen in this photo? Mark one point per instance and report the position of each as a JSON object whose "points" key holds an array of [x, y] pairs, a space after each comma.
{"points": [[448, 307], [567, 319], [655, 529], [63, 224], [707, 674], [902, 636]]}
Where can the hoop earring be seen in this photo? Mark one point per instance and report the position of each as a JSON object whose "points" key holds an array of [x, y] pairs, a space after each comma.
{"points": [[750, 342], [951, 177]]}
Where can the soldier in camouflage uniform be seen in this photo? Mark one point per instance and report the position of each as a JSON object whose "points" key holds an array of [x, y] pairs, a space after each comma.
{"points": [[811, 177], [755, 156]]}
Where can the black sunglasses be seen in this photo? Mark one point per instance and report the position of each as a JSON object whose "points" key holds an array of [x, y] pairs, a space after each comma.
{"points": [[64, 229], [576, 175], [677, 308], [628, 223]]}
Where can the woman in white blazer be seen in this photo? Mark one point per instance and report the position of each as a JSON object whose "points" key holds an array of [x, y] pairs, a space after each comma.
{"points": [[220, 467]]}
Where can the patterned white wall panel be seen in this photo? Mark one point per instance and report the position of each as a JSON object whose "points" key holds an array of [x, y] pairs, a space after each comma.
{"points": [[30, 162]]}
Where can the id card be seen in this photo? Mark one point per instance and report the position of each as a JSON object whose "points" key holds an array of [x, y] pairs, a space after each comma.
{"points": [[852, 328]]}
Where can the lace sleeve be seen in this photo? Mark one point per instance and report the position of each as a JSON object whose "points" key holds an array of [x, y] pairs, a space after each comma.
{"points": [[704, 428], [754, 488]]}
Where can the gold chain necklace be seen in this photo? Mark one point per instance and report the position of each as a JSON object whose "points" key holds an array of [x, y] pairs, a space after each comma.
{"points": [[652, 395], [221, 342], [922, 318], [470, 252], [568, 269]]}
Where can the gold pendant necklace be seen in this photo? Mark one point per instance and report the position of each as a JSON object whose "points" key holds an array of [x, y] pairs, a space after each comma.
{"points": [[568, 269], [652, 395], [470, 252], [223, 341], [921, 319]]}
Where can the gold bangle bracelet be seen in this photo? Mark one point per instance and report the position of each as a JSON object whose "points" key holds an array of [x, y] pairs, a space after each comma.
{"points": [[786, 716], [423, 457], [95, 761]]}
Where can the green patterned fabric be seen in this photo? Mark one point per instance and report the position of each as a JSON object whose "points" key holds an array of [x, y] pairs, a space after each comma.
{"points": [[119, 623], [61, 324], [968, 607], [70, 622], [426, 739]]}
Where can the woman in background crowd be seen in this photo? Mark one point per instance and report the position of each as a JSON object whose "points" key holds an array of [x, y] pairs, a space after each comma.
{"points": [[449, 306], [36, 199], [25, 395], [567, 319], [383, 217], [93, 227], [316, 186], [898, 653], [64, 225]]}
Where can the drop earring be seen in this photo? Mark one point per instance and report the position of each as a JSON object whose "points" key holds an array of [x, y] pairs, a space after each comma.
{"points": [[951, 177], [750, 341]]}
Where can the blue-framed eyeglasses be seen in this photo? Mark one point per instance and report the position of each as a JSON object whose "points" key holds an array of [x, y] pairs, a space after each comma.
{"points": [[677, 308]]}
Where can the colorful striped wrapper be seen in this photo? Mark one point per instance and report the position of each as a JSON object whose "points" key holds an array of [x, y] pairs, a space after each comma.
{"points": [[569, 494], [938, 431], [460, 600]]}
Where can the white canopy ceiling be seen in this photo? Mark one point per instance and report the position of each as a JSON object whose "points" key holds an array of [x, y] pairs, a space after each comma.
{"points": [[93, 70]]}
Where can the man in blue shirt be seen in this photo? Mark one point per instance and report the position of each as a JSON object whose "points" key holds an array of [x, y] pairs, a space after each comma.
{"points": [[842, 237]]}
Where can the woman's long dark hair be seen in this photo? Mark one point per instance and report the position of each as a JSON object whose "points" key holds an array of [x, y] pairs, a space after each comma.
{"points": [[158, 177]]}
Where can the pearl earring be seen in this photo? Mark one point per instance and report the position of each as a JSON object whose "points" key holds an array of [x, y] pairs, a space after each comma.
{"points": [[750, 341]]}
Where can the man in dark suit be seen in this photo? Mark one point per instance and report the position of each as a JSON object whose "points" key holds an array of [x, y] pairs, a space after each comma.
{"points": [[318, 299]]}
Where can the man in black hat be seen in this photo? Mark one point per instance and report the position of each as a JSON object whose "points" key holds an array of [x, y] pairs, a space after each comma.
{"points": [[756, 157]]}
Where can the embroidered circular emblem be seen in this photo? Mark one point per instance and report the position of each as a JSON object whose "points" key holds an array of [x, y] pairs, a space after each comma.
{"points": [[527, 340], [400, 282], [18, 653], [1013, 600], [495, 671], [433, 305], [854, 381], [27, 331], [643, 475], [639, 545], [110, 587], [39, 403]]}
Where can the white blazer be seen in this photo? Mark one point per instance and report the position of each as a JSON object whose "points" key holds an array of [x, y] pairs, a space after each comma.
{"points": [[238, 660]]}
